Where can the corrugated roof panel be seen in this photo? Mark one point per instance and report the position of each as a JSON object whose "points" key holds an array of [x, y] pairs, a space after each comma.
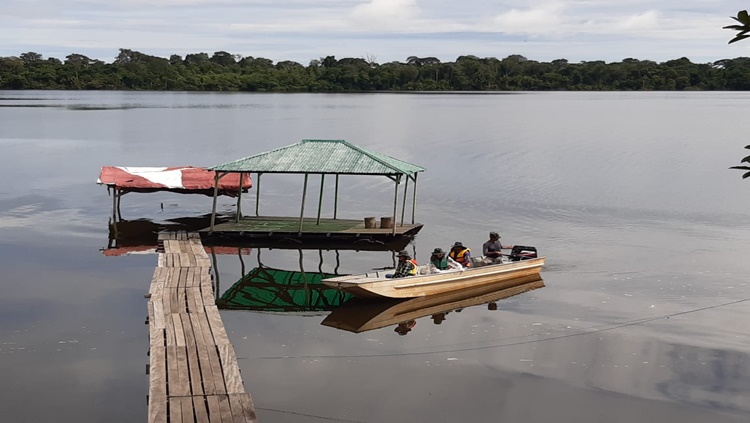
{"points": [[321, 156]]}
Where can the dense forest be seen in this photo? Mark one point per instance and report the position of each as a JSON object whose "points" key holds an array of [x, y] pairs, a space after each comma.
{"points": [[222, 71]]}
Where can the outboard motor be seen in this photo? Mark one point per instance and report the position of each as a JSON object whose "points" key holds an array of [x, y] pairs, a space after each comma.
{"points": [[520, 252]]}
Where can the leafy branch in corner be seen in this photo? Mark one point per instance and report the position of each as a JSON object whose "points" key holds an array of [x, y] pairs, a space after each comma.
{"points": [[744, 27], [745, 160]]}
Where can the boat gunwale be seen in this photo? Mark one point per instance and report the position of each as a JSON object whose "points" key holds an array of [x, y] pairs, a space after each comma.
{"points": [[361, 280]]}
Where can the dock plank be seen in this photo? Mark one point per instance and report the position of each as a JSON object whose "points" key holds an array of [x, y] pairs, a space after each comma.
{"points": [[157, 389], [193, 371], [243, 409], [230, 369]]}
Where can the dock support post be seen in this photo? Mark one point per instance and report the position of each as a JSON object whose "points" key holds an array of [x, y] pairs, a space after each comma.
{"points": [[216, 194], [395, 203], [336, 198], [257, 195], [403, 206], [302, 209], [320, 199], [414, 199], [239, 199]]}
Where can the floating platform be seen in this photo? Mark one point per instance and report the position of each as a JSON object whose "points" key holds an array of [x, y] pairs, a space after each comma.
{"points": [[285, 232]]}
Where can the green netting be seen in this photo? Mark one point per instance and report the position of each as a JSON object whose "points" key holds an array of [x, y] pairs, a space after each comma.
{"points": [[274, 290]]}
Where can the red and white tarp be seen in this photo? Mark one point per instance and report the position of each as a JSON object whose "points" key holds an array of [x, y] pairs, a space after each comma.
{"points": [[180, 178]]}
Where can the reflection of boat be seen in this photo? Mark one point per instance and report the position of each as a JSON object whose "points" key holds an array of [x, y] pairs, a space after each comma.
{"points": [[376, 284], [359, 315], [274, 290]]}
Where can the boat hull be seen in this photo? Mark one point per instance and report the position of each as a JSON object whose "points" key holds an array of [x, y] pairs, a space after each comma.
{"points": [[376, 285]]}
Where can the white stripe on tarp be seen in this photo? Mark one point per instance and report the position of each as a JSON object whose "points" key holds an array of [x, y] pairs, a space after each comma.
{"points": [[158, 175]]}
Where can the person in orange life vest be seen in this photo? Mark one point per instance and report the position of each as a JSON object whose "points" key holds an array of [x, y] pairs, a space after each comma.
{"points": [[407, 266], [460, 254]]}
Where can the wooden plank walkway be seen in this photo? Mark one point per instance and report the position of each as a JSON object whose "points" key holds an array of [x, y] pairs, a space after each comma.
{"points": [[193, 370]]}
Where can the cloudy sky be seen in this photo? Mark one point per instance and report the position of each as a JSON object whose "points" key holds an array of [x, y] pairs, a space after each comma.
{"points": [[383, 30]]}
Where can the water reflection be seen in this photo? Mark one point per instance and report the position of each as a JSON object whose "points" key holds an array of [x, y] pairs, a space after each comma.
{"points": [[360, 315], [267, 289], [141, 235]]}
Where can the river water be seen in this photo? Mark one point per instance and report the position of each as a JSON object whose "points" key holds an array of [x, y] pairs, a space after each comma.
{"points": [[642, 317]]}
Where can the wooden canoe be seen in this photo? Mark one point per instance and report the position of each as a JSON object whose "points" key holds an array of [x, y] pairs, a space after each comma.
{"points": [[358, 315], [375, 284]]}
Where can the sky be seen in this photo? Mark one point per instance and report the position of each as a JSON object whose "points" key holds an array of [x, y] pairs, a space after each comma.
{"points": [[378, 30]]}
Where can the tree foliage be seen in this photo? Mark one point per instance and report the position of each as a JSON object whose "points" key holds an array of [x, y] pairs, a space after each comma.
{"points": [[223, 71]]}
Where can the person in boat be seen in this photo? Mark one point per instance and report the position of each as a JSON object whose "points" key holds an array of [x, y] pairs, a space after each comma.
{"points": [[405, 327], [460, 254], [407, 266], [439, 261], [491, 250]]}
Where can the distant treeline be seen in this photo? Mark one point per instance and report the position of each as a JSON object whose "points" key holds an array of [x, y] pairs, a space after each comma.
{"points": [[222, 71]]}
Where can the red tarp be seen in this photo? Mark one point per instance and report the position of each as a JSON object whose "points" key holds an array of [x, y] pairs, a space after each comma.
{"points": [[179, 179]]}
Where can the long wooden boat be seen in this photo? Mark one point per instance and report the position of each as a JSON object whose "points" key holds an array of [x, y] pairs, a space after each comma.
{"points": [[359, 315], [376, 284]]}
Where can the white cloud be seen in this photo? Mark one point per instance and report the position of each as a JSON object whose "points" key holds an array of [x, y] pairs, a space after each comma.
{"points": [[385, 14], [546, 18], [301, 30]]}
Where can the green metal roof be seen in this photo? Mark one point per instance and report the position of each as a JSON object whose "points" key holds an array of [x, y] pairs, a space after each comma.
{"points": [[321, 156]]}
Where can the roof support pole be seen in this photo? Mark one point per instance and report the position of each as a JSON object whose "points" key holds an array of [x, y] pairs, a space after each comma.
{"points": [[302, 209], [336, 198], [395, 203], [403, 205], [119, 200], [217, 287], [414, 199], [216, 195], [320, 199], [114, 205], [257, 195], [239, 199]]}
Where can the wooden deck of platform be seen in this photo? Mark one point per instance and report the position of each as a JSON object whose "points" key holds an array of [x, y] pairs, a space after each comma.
{"points": [[193, 370], [269, 225]]}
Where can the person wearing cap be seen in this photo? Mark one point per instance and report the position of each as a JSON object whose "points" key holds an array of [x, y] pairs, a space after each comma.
{"points": [[405, 327], [407, 266], [460, 254], [491, 249], [439, 261]]}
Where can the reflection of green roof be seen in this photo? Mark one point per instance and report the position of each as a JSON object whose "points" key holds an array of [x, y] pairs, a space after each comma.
{"points": [[321, 156], [267, 289]]}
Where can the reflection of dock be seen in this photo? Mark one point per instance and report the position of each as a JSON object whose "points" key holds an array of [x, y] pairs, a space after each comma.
{"points": [[358, 315], [193, 370], [333, 233], [140, 236]]}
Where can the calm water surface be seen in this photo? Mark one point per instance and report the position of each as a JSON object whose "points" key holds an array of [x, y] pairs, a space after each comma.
{"points": [[642, 317]]}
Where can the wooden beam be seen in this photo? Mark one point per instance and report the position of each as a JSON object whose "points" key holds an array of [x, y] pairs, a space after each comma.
{"points": [[257, 194], [216, 195], [403, 206], [395, 203], [302, 209], [414, 199], [239, 198], [336, 198], [320, 198]]}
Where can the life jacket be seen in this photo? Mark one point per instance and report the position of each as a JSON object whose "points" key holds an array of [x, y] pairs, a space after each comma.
{"points": [[460, 257], [411, 272], [440, 263]]}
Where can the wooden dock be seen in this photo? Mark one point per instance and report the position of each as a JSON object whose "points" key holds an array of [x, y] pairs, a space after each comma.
{"points": [[193, 370], [286, 232]]}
